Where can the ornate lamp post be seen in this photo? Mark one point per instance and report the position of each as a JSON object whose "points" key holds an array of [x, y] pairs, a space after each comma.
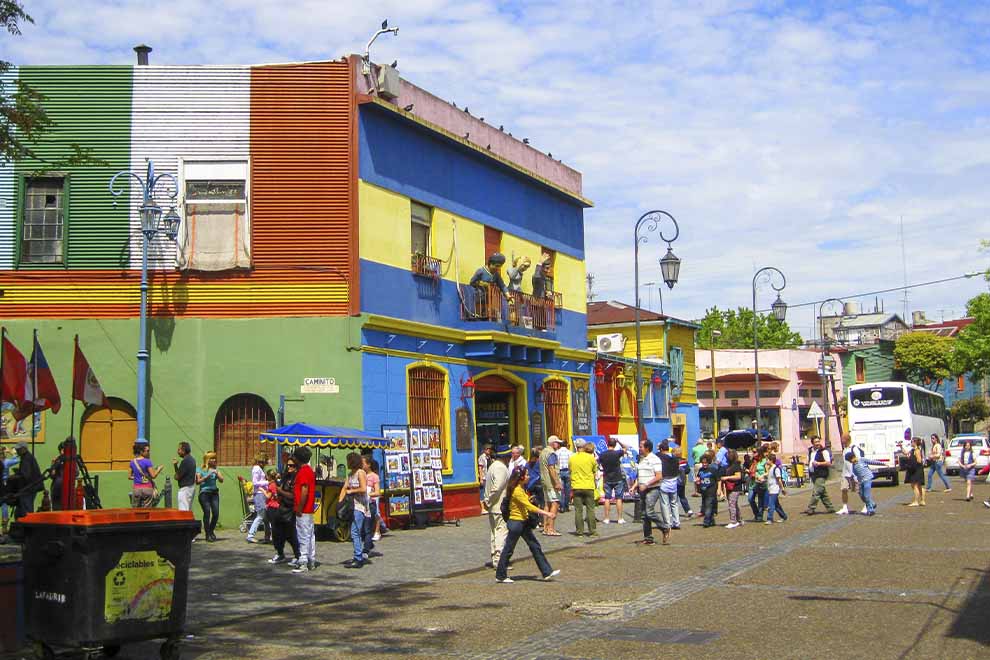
{"points": [[822, 371], [670, 267], [715, 335], [779, 309], [153, 223]]}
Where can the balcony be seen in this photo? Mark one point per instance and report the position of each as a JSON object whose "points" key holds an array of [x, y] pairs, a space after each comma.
{"points": [[426, 266], [517, 309]]}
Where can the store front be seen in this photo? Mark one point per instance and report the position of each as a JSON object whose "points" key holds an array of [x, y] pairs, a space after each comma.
{"points": [[496, 401]]}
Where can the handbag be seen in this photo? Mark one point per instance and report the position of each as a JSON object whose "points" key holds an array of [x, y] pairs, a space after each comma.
{"points": [[155, 495], [284, 514], [345, 510]]}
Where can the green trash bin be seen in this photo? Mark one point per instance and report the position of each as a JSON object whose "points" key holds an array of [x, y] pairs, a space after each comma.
{"points": [[95, 580]]}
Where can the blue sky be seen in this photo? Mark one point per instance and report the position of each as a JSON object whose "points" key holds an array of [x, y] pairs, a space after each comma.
{"points": [[797, 135]]}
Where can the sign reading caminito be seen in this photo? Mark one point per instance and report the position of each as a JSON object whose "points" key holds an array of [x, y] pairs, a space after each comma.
{"points": [[319, 386]]}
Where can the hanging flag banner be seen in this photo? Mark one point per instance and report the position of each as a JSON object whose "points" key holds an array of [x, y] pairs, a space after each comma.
{"points": [[40, 392], [85, 386], [13, 380]]}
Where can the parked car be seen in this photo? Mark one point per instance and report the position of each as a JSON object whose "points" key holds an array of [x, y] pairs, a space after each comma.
{"points": [[981, 451]]}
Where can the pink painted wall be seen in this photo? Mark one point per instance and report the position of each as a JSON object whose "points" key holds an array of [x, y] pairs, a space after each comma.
{"points": [[437, 111]]}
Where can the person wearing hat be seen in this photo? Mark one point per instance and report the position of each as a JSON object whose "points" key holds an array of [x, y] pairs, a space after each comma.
{"points": [[496, 480], [550, 480], [30, 479]]}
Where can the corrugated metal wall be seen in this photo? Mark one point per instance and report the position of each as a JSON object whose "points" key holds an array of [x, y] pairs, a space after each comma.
{"points": [[187, 112], [91, 108], [8, 192], [303, 173]]}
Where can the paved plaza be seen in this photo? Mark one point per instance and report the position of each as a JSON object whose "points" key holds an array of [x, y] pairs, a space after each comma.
{"points": [[909, 582]]}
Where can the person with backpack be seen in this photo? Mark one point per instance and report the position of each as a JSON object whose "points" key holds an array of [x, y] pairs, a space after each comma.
{"points": [[707, 483], [516, 510], [732, 481], [819, 461], [758, 484], [775, 488]]}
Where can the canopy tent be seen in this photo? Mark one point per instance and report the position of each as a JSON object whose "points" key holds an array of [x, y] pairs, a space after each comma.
{"points": [[332, 437]]}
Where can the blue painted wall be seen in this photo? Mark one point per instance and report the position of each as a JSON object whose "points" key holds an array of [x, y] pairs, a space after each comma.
{"points": [[434, 170]]}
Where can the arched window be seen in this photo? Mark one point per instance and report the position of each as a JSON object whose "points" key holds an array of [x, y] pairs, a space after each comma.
{"points": [[428, 405], [239, 422], [555, 407], [107, 435]]}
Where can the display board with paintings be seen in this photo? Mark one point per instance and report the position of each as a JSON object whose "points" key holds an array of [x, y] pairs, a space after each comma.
{"points": [[413, 470]]}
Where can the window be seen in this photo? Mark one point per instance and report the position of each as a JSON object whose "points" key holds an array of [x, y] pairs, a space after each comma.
{"points": [[548, 269], [860, 369], [816, 394], [421, 221], [676, 356], [606, 395], [493, 242], [736, 394], [236, 427], [215, 233], [707, 394], [428, 405], [555, 408], [658, 400], [43, 228], [803, 393], [107, 435], [769, 394]]}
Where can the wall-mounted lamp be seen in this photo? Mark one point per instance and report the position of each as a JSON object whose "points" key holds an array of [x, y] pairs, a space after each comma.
{"points": [[599, 374], [538, 397], [620, 379], [467, 388]]}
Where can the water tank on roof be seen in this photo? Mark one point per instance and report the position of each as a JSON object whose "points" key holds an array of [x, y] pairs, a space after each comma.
{"points": [[850, 309]]}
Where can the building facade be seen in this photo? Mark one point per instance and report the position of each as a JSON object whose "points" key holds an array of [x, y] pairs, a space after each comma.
{"points": [[330, 229]]}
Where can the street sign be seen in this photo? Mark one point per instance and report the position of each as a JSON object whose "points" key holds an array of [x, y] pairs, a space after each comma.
{"points": [[815, 411], [319, 386]]}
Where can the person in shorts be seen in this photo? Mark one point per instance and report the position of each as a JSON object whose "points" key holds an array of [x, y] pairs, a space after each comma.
{"points": [[614, 479], [848, 481], [550, 480]]}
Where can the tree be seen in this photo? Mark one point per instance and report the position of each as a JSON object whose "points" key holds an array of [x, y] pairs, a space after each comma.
{"points": [[923, 357], [736, 327], [972, 348], [970, 410]]}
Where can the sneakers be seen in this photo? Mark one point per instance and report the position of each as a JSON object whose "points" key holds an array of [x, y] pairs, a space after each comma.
{"points": [[769, 522], [505, 580], [376, 537], [552, 575], [302, 568], [646, 542], [986, 503], [606, 522], [293, 562], [844, 511], [351, 563], [277, 559], [732, 525], [865, 510], [622, 521], [251, 539], [947, 490]]}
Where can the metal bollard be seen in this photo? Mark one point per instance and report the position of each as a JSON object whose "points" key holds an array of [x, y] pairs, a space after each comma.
{"points": [[638, 510], [167, 493]]}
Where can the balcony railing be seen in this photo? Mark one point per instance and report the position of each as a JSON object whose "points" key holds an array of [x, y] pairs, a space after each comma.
{"points": [[517, 308], [426, 266]]}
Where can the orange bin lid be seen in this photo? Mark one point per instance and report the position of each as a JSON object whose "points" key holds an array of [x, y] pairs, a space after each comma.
{"points": [[93, 517]]}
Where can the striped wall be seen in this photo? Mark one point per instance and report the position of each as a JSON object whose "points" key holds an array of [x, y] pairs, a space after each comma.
{"points": [[8, 196]]}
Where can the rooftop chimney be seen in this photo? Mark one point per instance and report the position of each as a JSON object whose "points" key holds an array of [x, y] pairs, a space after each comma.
{"points": [[142, 54]]}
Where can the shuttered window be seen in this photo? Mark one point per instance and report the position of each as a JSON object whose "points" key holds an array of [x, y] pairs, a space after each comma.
{"points": [[216, 232], [555, 408], [421, 223], [493, 242], [43, 227], [428, 405], [107, 436], [237, 426]]}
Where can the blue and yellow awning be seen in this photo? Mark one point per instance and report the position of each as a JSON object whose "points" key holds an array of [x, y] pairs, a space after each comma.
{"points": [[298, 434]]}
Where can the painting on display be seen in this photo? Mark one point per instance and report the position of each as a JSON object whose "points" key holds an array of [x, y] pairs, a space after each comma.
{"points": [[12, 430]]}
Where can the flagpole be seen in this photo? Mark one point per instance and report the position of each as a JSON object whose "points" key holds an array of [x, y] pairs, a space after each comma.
{"points": [[34, 384]]}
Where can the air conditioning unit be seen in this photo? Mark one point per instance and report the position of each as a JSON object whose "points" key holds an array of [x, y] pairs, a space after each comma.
{"points": [[613, 343], [388, 83]]}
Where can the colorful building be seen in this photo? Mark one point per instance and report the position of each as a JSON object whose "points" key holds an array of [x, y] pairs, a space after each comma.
{"points": [[332, 223], [668, 387]]}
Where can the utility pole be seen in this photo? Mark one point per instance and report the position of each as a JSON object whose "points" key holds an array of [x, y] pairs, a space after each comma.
{"points": [[715, 335]]}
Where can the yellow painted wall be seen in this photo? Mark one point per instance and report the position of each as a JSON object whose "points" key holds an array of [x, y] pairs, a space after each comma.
{"points": [[386, 238], [684, 338]]}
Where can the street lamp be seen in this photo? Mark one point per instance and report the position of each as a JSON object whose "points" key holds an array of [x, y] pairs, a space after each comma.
{"points": [[153, 223], [821, 322], [715, 335], [670, 267], [779, 309]]}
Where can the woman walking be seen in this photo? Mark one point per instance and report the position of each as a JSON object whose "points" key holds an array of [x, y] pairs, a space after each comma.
{"points": [[283, 517], [356, 490], [259, 482], [775, 488], [936, 462], [967, 468], [516, 508], [913, 461], [732, 479], [208, 477]]}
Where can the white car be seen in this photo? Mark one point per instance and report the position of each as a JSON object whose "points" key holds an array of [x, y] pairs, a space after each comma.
{"points": [[981, 451]]}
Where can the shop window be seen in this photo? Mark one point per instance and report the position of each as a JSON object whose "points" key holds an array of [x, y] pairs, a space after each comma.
{"points": [[43, 226], [107, 435], [555, 408], [428, 405], [215, 233], [860, 369], [237, 426]]}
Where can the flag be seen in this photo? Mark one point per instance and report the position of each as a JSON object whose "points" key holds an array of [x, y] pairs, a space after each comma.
{"points": [[40, 392], [85, 386], [14, 376]]}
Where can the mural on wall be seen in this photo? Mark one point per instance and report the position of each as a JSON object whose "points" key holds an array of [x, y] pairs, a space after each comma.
{"points": [[464, 429], [536, 431], [581, 397], [12, 430]]}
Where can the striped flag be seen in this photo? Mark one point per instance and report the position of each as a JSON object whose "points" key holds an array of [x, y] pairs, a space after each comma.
{"points": [[40, 392], [85, 386]]}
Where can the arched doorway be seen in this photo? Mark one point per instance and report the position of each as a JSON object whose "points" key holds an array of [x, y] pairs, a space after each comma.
{"points": [[237, 426], [107, 435], [500, 412], [558, 418]]}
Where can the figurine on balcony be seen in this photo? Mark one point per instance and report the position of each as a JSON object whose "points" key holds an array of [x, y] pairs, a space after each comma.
{"points": [[540, 275], [515, 274], [489, 273]]}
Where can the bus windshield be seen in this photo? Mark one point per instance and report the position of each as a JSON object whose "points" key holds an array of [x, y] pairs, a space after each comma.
{"points": [[876, 397]]}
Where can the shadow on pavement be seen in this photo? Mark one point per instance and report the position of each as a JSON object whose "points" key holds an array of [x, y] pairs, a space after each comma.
{"points": [[971, 621]]}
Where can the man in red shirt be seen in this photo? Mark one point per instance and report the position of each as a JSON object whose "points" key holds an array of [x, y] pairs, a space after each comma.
{"points": [[305, 492]]}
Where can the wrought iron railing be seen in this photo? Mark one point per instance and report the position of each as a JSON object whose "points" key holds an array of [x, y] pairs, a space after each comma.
{"points": [[426, 266]]}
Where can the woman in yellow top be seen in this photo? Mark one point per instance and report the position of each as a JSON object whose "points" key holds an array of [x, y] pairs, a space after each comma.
{"points": [[519, 508]]}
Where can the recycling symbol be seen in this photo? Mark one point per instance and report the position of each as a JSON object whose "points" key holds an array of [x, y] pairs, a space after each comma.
{"points": [[119, 579]]}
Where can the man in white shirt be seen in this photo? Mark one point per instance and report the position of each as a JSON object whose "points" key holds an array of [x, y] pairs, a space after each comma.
{"points": [[518, 460], [564, 469], [484, 460], [649, 473], [848, 478], [493, 493]]}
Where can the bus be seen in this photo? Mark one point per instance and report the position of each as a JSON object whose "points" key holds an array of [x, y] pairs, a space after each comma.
{"points": [[883, 414]]}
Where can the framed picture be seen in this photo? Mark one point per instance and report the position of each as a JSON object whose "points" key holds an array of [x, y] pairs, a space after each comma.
{"points": [[418, 495], [427, 477]]}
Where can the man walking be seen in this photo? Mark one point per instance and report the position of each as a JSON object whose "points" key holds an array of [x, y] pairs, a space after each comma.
{"points": [[848, 474], [819, 460], [550, 478], [564, 470], [30, 480], [185, 475], [583, 482], [304, 490], [649, 472], [669, 472], [492, 495], [614, 479]]}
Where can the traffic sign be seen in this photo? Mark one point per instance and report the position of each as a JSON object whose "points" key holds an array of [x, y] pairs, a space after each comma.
{"points": [[815, 411]]}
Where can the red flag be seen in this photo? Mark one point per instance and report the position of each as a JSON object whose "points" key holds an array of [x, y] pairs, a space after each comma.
{"points": [[85, 386], [14, 376], [40, 392]]}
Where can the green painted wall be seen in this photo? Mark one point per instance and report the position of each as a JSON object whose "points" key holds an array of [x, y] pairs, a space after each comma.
{"points": [[879, 361], [91, 108], [196, 365]]}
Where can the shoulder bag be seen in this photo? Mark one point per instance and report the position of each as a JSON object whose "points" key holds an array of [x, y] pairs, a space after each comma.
{"points": [[155, 495], [345, 509]]}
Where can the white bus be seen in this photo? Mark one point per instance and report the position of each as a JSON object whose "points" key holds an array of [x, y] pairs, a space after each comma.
{"points": [[883, 414]]}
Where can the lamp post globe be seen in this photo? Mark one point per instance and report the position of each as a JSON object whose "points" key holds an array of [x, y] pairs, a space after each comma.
{"points": [[670, 268], [779, 308]]}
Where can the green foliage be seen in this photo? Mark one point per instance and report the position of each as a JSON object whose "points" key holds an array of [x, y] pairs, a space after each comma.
{"points": [[736, 327], [972, 349], [974, 409], [923, 357]]}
